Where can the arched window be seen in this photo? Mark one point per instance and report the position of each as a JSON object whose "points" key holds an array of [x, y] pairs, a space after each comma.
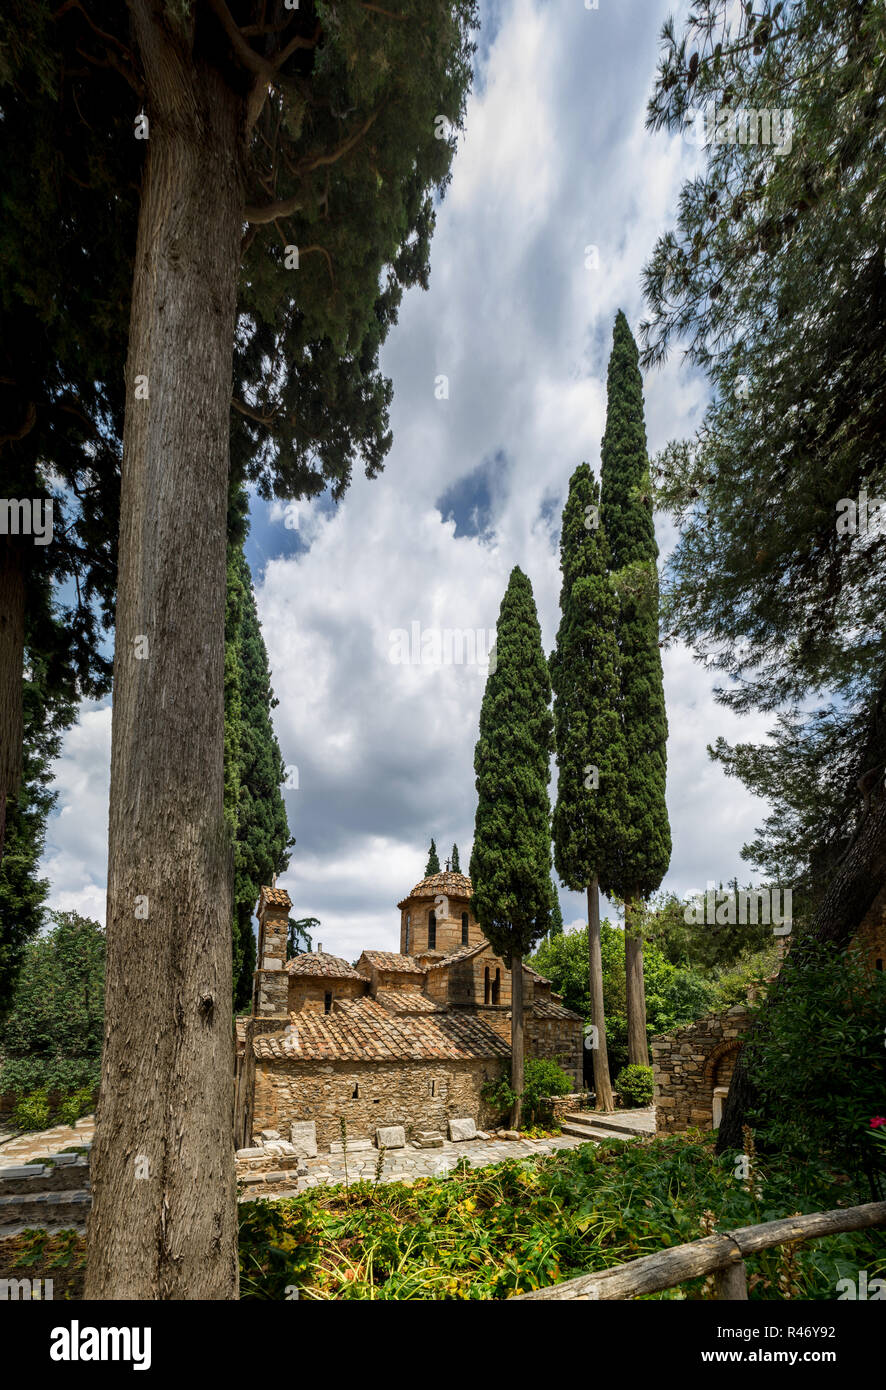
{"points": [[432, 930], [496, 987], [464, 929], [486, 985], [327, 1002]]}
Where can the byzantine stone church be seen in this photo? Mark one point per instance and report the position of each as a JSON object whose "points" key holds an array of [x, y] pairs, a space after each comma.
{"points": [[400, 1038]]}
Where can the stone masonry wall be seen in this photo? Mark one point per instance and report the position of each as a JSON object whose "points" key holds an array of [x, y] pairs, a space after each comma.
{"points": [[689, 1063], [558, 1040], [308, 992], [419, 1095]]}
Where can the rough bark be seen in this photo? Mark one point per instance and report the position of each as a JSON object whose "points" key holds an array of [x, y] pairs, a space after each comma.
{"points": [[852, 890], [635, 991], [602, 1081], [163, 1218], [12, 655], [516, 1036]]}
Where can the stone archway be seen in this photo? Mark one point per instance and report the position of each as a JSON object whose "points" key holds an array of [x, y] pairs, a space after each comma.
{"points": [[717, 1075]]}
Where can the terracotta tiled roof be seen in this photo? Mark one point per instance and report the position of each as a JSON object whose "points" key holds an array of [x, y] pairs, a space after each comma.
{"points": [[452, 884], [274, 897], [408, 1001], [322, 963], [460, 953], [547, 1008], [365, 1031], [528, 970], [392, 960]]}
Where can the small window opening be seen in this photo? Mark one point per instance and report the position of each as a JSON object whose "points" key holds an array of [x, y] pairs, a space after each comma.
{"points": [[432, 931], [486, 985], [327, 1002], [356, 1094], [464, 929], [433, 1088], [496, 987]]}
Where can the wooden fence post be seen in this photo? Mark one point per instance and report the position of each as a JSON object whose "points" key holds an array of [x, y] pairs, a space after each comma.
{"points": [[731, 1282]]}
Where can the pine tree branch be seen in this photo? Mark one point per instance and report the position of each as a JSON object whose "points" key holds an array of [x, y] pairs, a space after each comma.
{"points": [[284, 207]]}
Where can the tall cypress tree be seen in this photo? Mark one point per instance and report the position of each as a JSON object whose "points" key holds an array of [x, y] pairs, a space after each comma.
{"points": [[456, 866], [433, 864], [626, 506], [556, 928], [588, 826], [254, 808], [511, 856]]}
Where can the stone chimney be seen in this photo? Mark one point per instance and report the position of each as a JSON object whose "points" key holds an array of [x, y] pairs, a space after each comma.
{"points": [[271, 993]]}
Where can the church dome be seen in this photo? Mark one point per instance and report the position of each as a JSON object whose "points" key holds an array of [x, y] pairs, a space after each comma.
{"points": [[452, 884]]}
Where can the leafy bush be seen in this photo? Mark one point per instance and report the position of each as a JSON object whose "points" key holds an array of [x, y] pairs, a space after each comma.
{"points": [[75, 1106], [64, 1074], [674, 997], [541, 1080], [31, 1111], [499, 1096], [491, 1232], [818, 1062], [634, 1085], [52, 1036]]}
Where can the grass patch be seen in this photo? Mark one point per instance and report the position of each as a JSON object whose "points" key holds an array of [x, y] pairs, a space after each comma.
{"points": [[524, 1224]]}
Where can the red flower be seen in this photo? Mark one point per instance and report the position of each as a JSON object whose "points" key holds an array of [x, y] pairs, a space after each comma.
{"points": [[877, 1121]]}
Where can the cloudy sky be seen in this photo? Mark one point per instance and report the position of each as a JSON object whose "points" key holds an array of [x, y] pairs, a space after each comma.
{"points": [[557, 196]]}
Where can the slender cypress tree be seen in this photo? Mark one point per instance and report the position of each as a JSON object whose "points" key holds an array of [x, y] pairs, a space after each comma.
{"points": [[556, 928], [456, 866], [511, 856], [588, 827], [433, 864], [254, 808], [626, 507]]}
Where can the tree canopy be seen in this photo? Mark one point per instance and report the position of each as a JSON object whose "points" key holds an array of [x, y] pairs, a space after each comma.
{"points": [[589, 833], [773, 280], [511, 856], [626, 511]]}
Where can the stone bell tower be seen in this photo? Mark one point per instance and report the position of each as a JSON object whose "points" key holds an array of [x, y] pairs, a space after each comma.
{"points": [[270, 998]]}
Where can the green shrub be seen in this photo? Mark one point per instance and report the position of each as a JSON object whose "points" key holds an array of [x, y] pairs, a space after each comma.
{"points": [[541, 1080], [634, 1085], [32, 1111], [819, 1065], [73, 1107], [499, 1096], [64, 1074]]}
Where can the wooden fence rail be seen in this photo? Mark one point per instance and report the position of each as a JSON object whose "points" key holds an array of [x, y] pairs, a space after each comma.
{"points": [[722, 1254]]}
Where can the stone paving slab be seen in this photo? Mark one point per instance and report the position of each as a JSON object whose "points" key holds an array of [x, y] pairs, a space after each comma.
{"points": [[405, 1165], [17, 1150]]}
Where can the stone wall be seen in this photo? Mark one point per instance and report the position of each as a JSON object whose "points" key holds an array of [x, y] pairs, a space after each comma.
{"points": [[418, 1095], [690, 1062], [558, 1040], [308, 992]]}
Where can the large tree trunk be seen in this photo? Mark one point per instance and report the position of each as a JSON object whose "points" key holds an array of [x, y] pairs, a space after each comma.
{"points": [[516, 1036], [635, 990], [163, 1220], [602, 1082], [12, 655], [855, 885]]}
